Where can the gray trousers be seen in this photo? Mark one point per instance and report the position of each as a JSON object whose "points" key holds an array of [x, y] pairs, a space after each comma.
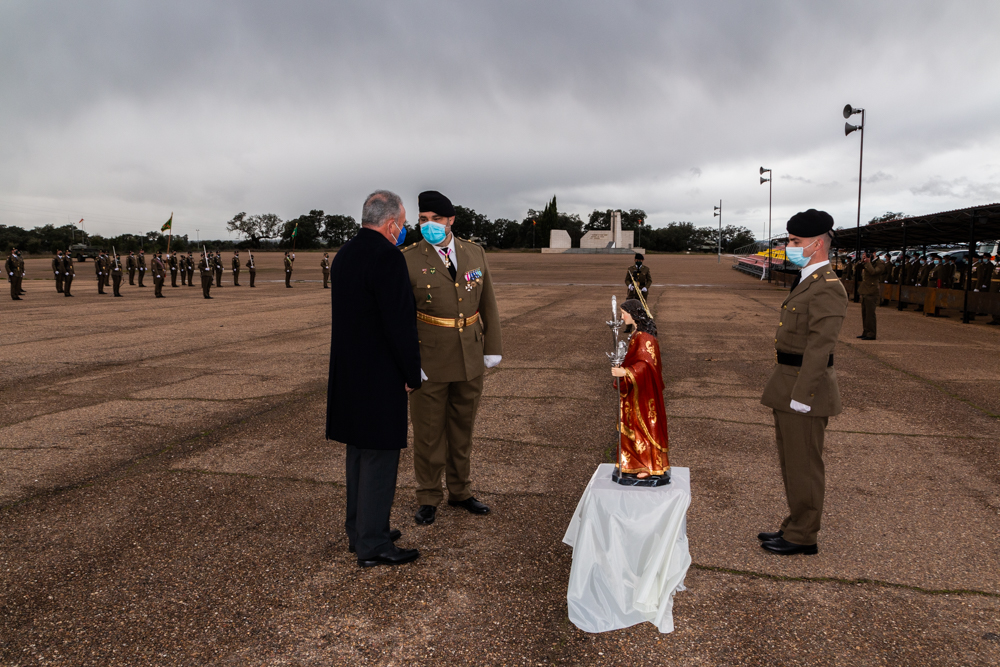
{"points": [[371, 488]]}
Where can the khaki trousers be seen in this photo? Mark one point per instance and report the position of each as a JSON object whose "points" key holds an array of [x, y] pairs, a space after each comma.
{"points": [[800, 453], [443, 415], [868, 304]]}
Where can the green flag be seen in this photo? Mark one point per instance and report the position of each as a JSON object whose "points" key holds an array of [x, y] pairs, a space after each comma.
{"points": [[295, 231], [168, 224]]}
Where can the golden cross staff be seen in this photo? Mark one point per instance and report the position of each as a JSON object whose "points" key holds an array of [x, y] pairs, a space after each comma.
{"points": [[639, 294]]}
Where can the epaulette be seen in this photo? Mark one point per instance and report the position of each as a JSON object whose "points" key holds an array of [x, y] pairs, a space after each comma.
{"points": [[409, 247]]}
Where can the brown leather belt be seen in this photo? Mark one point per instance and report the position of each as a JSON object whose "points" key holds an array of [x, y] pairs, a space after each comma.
{"points": [[457, 323]]}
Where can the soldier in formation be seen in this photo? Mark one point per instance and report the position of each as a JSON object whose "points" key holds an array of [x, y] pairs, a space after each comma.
{"points": [[116, 274], [638, 274], [69, 272], [15, 273], [205, 270], [236, 268], [324, 264], [288, 269], [57, 269], [159, 274], [172, 262], [99, 268], [218, 268], [140, 263], [872, 270], [130, 266], [251, 267]]}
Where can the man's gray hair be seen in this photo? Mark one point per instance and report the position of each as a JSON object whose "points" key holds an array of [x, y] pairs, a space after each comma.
{"points": [[379, 207]]}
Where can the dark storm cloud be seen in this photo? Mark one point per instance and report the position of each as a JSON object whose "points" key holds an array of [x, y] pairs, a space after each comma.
{"points": [[125, 109]]}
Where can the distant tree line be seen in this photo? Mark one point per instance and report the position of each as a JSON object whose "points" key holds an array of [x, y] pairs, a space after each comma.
{"points": [[320, 230]]}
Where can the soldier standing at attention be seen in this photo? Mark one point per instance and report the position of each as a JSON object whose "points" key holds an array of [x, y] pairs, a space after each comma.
{"points": [[236, 268], [182, 268], [325, 265], [57, 269], [288, 269], [130, 267], [116, 274], [159, 274], [189, 268], [458, 326], [802, 390], [140, 263], [172, 262], [99, 269], [205, 270], [107, 269], [68, 273], [642, 277], [218, 268], [870, 290], [251, 267], [13, 275]]}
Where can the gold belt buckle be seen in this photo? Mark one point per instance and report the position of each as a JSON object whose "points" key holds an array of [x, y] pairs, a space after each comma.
{"points": [[460, 322]]}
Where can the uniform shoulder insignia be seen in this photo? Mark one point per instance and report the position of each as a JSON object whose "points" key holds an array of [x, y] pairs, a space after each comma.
{"points": [[815, 276], [409, 247]]}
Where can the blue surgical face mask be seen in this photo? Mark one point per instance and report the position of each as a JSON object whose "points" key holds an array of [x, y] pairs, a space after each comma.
{"points": [[794, 255], [402, 236], [434, 232]]}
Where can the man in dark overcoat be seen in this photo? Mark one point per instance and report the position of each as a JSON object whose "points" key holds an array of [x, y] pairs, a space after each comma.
{"points": [[374, 364]]}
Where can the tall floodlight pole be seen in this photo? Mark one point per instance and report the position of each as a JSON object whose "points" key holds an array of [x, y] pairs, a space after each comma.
{"points": [[717, 211], [762, 182], [848, 128]]}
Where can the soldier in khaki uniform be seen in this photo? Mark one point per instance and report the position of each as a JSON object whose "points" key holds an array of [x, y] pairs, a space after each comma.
{"points": [[141, 264], [130, 267], [218, 268], [802, 390], [189, 268], [288, 269], [205, 269], [116, 274], [640, 273], [159, 274], [324, 264], [458, 325], [13, 275], [251, 267], [68, 273], [236, 268], [99, 270], [870, 290], [58, 271]]}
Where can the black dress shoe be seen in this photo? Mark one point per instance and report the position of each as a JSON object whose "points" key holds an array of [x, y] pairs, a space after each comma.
{"points": [[783, 547], [765, 537], [393, 535], [861, 336], [471, 505], [868, 338], [394, 556], [425, 515]]}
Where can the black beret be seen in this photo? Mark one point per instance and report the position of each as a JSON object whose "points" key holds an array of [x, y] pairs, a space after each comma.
{"points": [[810, 223], [433, 201], [638, 255]]}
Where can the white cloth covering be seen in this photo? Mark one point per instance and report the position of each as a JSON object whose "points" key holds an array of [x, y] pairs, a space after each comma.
{"points": [[630, 552]]}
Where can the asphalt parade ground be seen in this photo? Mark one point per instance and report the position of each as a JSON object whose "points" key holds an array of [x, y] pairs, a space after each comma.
{"points": [[167, 497]]}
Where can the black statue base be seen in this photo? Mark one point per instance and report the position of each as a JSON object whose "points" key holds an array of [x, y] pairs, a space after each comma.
{"points": [[629, 479]]}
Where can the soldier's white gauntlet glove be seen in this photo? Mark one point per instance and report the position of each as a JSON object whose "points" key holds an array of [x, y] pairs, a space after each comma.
{"points": [[491, 360], [801, 408]]}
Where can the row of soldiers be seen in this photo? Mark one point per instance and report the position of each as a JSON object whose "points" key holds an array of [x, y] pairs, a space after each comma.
{"points": [[110, 271], [929, 271]]}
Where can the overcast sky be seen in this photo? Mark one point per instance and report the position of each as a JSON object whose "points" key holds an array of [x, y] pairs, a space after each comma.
{"points": [[121, 112]]}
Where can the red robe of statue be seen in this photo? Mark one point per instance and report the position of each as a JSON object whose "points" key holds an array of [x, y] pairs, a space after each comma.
{"points": [[643, 419]]}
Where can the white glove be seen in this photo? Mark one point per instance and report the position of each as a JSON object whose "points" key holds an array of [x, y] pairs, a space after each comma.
{"points": [[492, 360], [643, 289], [423, 375], [801, 408]]}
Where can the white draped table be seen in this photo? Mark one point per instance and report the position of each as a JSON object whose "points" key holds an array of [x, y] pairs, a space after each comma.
{"points": [[630, 552]]}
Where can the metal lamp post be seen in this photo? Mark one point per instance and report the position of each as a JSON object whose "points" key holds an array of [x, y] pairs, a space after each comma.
{"points": [[717, 211], [848, 128], [762, 182]]}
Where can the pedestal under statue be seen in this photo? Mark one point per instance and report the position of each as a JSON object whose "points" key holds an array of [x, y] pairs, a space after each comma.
{"points": [[643, 445]]}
